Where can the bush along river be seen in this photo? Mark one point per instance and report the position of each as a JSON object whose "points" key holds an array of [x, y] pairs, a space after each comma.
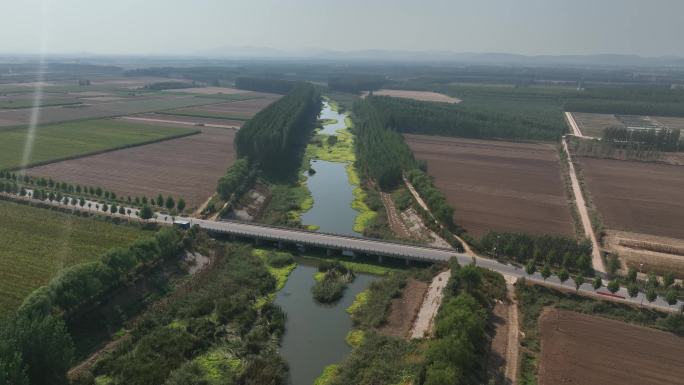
{"points": [[338, 200], [314, 333]]}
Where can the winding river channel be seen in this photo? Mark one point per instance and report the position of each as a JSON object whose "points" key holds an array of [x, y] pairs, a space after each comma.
{"points": [[315, 333], [332, 193]]}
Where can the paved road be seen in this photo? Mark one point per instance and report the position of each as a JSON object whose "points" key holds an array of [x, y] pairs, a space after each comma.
{"points": [[380, 248], [596, 259]]}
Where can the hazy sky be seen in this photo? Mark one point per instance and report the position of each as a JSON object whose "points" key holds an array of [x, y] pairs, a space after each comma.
{"points": [[645, 27]]}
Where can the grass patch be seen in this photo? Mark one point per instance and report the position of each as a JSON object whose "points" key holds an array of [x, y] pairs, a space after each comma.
{"points": [[342, 151], [366, 215], [354, 338], [280, 273], [329, 372], [38, 243], [59, 141], [360, 300]]}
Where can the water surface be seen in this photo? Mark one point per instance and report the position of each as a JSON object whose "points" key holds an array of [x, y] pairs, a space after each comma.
{"points": [[333, 196], [314, 333]]}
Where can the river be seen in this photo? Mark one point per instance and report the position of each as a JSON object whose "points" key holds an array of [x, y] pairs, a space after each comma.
{"points": [[314, 333], [332, 193]]}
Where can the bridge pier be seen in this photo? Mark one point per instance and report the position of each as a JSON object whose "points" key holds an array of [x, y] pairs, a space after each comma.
{"points": [[257, 241], [328, 252], [408, 261], [281, 244], [232, 237], [380, 259]]}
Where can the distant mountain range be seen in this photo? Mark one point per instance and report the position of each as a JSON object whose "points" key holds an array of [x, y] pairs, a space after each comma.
{"points": [[228, 52]]}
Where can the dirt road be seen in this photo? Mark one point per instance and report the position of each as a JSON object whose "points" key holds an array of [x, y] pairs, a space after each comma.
{"points": [[573, 124], [396, 224], [513, 333], [422, 327], [154, 120], [581, 205]]}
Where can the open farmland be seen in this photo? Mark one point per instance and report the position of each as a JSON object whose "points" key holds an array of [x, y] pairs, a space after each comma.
{"points": [[426, 96], [583, 349], [637, 197], [38, 243], [496, 185], [239, 110], [92, 109], [187, 167], [59, 141]]}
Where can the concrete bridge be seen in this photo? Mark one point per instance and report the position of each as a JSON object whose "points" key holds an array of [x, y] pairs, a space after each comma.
{"points": [[330, 242]]}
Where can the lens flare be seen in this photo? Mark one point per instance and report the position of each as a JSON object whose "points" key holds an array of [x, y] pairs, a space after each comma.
{"points": [[38, 92]]}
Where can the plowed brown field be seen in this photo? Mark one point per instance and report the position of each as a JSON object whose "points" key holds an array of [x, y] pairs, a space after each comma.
{"points": [[586, 350], [188, 167], [638, 197], [496, 185]]}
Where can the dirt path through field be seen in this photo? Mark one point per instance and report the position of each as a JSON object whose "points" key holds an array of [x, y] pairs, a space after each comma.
{"points": [[422, 327], [396, 224], [596, 259], [236, 127], [513, 333], [573, 124]]}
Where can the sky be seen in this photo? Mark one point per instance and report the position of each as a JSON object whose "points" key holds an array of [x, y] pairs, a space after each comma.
{"points": [[528, 27]]}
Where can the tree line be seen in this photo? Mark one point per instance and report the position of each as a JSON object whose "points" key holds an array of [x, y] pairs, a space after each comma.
{"points": [[381, 152], [553, 250], [263, 84], [276, 136], [235, 176], [355, 83], [35, 346], [48, 189], [433, 197], [418, 117], [646, 139]]}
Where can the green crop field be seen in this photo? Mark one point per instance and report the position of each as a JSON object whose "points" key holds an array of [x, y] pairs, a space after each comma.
{"points": [[38, 243], [65, 140]]}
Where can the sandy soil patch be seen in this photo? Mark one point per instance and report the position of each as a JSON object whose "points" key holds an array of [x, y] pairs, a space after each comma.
{"points": [[417, 230], [422, 327], [497, 185], [583, 349], [637, 197], [187, 167], [426, 96], [403, 310]]}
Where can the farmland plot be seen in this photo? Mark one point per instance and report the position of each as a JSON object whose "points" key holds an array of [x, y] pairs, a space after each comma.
{"points": [[496, 185], [583, 349], [53, 142], [188, 167], [100, 109], [38, 243], [240, 110], [637, 197]]}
